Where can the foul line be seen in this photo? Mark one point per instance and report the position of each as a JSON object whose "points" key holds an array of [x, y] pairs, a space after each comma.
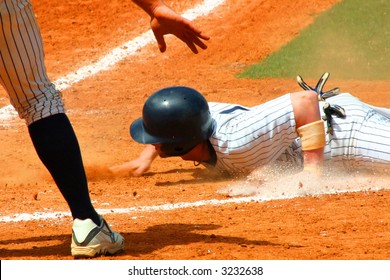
{"points": [[116, 55], [24, 217], [164, 207]]}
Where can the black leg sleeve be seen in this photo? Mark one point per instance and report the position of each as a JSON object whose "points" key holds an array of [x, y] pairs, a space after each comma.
{"points": [[57, 147]]}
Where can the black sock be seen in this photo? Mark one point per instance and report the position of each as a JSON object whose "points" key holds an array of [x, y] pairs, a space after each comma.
{"points": [[57, 147]]}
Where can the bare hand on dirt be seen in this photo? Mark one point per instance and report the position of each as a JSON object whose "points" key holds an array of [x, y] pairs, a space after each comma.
{"points": [[135, 167]]}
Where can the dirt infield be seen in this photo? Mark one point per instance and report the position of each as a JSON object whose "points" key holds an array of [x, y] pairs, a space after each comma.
{"points": [[353, 225]]}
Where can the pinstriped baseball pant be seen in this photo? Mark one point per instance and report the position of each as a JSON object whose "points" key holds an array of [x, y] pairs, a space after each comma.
{"points": [[22, 69]]}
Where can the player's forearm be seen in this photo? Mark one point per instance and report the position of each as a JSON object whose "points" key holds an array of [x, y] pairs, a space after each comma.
{"points": [[149, 6], [313, 160], [310, 128]]}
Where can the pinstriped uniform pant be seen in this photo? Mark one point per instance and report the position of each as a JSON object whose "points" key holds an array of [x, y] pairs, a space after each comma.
{"points": [[22, 69]]}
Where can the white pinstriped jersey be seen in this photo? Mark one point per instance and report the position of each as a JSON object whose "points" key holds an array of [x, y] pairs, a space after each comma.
{"points": [[248, 138], [22, 69]]}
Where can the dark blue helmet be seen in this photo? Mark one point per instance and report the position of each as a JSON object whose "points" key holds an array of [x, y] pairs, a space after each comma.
{"points": [[177, 117]]}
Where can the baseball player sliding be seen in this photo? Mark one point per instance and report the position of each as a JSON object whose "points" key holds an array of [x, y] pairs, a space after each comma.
{"points": [[23, 75], [309, 126]]}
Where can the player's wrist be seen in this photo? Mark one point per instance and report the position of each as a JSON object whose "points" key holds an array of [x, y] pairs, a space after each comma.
{"points": [[149, 6]]}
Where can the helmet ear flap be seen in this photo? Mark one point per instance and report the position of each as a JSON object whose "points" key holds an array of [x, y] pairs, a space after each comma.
{"points": [[176, 149]]}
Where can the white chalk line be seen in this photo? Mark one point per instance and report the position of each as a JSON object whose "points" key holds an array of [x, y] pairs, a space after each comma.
{"points": [[107, 61], [24, 217]]}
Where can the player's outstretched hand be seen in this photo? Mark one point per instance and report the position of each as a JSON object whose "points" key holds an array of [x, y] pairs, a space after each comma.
{"points": [[135, 167], [165, 21]]}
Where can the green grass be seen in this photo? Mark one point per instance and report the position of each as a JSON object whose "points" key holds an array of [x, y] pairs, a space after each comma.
{"points": [[351, 41]]}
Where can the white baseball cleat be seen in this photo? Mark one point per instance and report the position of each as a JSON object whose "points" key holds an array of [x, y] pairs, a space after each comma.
{"points": [[90, 240]]}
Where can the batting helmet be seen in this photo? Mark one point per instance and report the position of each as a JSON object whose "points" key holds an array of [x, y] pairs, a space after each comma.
{"points": [[177, 117]]}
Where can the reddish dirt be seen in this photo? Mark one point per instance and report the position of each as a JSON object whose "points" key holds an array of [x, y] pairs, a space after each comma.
{"points": [[101, 108]]}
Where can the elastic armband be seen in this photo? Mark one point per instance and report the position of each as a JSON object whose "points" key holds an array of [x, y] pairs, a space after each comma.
{"points": [[312, 135]]}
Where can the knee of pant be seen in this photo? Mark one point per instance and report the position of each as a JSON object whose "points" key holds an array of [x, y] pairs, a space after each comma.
{"points": [[41, 109]]}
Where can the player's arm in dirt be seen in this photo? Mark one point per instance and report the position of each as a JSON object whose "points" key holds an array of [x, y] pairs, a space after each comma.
{"points": [[166, 21], [138, 166]]}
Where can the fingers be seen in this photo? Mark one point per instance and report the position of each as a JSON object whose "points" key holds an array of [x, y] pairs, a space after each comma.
{"points": [[138, 172], [302, 83], [122, 169], [192, 47], [117, 169], [194, 38], [190, 39], [330, 93], [192, 30], [160, 41], [321, 82], [132, 168], [203, 36]]}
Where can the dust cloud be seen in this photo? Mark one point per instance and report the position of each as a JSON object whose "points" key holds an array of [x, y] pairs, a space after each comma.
{"points": [[276, 182]]}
